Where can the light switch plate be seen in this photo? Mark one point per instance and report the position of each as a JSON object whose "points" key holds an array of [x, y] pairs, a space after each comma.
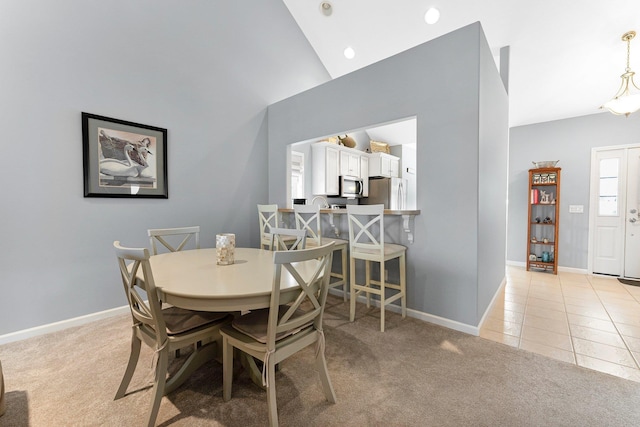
{"points": [[576, 208]]}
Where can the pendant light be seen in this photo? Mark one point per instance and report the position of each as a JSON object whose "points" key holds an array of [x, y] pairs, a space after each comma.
{"points": [[627, 100]]}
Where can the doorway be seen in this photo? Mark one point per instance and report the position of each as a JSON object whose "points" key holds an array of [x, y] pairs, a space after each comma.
{"points": [[614, 214]]}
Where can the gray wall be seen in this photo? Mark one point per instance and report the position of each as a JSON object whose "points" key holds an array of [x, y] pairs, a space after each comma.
{"points": [[206, 71], [569, 141], [440, 83], [492, 182]]}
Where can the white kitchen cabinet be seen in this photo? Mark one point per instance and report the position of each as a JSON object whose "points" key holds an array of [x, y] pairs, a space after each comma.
{"points": [[384, 165], [364, 174], [325, 161], [395, 167], [349, 163]]}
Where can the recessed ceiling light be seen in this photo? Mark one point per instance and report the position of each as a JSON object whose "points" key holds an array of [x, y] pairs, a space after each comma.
{"points": [[349, 53], [432, 16], [326, 8]]}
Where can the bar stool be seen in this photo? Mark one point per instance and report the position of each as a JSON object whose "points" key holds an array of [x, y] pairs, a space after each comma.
{"points": [[366, 242], [308, 218]]}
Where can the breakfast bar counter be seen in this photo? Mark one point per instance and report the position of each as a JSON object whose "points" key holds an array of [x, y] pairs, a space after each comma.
{"points": [[407, 217]]}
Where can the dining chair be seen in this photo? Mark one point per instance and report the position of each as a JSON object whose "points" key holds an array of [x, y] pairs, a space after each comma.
{"points": [[269, 217], [366, 242], [308, 219], [163, 329], [281, 239], [173, 239], [274, 334], [3, 405]]}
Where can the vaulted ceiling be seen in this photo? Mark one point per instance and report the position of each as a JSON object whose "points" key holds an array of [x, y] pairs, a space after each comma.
{"points": [[566, 57]]}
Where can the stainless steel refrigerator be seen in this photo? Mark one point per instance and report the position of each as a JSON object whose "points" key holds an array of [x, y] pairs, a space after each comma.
{"points": [[391, 192]]}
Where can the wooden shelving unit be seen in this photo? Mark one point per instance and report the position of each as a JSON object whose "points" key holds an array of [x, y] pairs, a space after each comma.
{"points": [[543, 219]]}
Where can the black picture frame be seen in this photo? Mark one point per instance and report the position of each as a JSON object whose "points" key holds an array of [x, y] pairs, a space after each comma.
{"points": [[123, 159]]}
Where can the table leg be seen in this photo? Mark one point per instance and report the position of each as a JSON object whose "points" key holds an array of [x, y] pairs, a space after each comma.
{"points": [[199, 357], [250, 365]]}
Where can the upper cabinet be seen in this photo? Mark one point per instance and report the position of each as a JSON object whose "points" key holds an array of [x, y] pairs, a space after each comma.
{"points": [[330, 161], [384, 165], [350, 163], [325, 169]]}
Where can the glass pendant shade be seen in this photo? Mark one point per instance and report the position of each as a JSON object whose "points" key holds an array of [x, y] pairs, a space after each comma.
{"points": [[627, 99]]}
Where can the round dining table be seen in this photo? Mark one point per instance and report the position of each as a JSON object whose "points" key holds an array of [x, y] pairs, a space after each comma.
{"points": [[193, 280]]}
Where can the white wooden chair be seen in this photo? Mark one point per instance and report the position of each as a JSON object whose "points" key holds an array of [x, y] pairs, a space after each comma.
{"points": [[164, 330], [280, 331], [269, 218], [308, 219], [167, 237], [173, 240], [281, 239], [3, 405], [366, 241]]}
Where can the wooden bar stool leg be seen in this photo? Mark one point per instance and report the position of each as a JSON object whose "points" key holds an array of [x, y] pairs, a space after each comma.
{"points": [[403, 283], [382, 296], [367, 281], [352, 281], [344, 272]]}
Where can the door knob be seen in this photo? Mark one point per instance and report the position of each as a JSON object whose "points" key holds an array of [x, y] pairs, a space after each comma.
{"points": [[633, 211], [632, 220]]}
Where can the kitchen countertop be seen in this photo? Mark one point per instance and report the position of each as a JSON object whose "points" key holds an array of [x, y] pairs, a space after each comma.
{"points": [[344, 211]]}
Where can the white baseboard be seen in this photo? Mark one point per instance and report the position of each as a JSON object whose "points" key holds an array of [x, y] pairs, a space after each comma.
{"points": [[572, 270], [516, 263], [431, 318], [560, 268], [63, 324], [82, 320], [492, 303]]}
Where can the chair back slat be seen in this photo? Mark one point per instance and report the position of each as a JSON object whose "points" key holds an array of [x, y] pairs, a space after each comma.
{"points": [[308, 219], [169, 238], [281, 239], [366, 227], [313, 281], [268, 216]]}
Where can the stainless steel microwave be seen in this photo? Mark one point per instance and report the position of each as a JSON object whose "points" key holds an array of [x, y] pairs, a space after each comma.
{"points": [[351, 187]]}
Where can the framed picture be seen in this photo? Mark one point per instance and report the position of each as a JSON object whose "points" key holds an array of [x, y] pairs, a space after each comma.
{"points": [[123, 159]]}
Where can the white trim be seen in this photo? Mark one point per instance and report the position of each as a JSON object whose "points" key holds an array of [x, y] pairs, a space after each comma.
{"points": [[516, 263], [63, 324], [593, 195], [83, 320], [431, 318], [560, 268], [573, 270], [492, 303]]}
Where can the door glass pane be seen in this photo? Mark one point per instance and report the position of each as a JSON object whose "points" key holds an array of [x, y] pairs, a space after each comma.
{"points": [[608, 188]]}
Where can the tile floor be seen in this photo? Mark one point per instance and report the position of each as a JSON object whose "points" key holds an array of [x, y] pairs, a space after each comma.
{"points": [[590, 321]]}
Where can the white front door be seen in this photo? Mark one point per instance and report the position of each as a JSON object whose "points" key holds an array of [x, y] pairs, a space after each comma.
{"points": [[632, 216], [616, 232]]}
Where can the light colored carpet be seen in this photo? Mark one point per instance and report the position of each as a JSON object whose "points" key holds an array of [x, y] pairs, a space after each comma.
{"points": [[414, 374]]}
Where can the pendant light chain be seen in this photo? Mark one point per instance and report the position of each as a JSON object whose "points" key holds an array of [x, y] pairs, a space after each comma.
{"points": [[627, 99], [628, 37]]}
